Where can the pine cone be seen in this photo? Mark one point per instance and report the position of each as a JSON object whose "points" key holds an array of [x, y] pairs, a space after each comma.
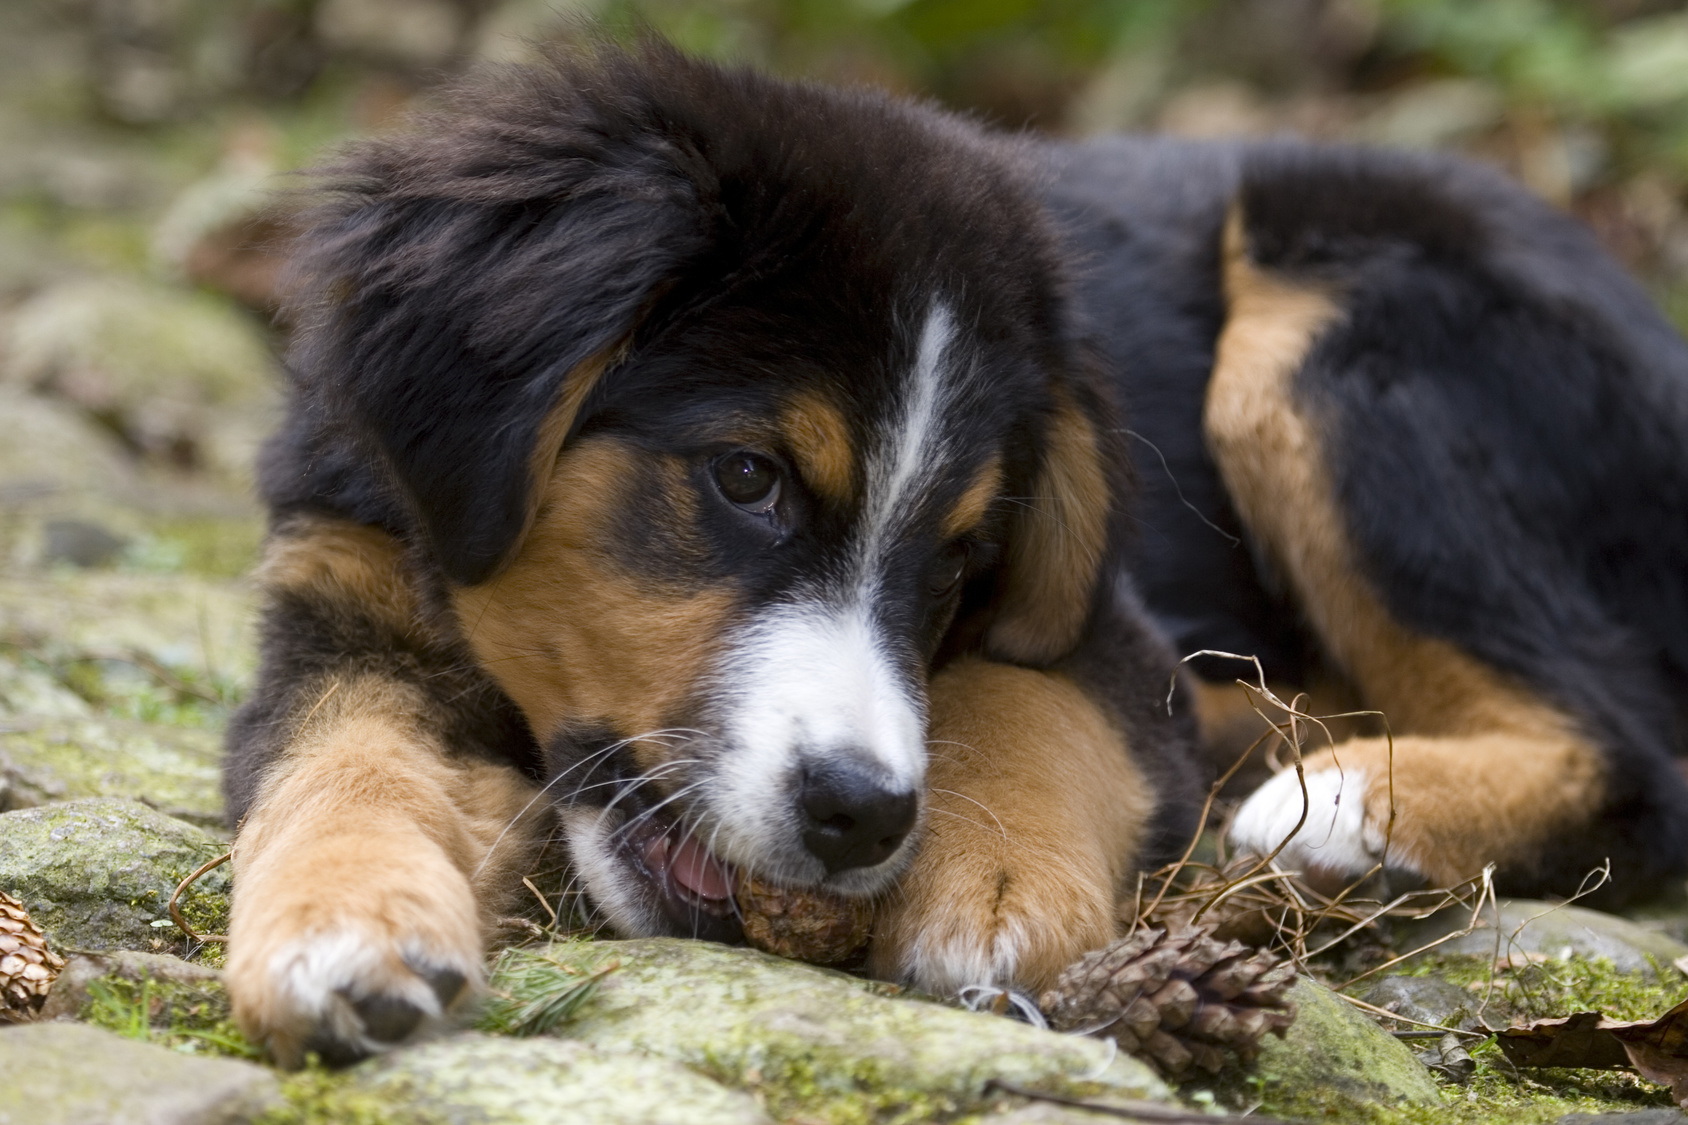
{"points": [[811, 926], [1177, 999], [27, 967]]}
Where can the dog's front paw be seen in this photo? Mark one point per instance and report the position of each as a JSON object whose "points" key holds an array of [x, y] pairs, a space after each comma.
{"points": [[1346, 830], [350, 947], [996, 924]]}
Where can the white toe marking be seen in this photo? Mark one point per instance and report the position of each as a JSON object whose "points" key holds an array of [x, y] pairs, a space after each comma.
{"points": [[1335, 837], [948, 966]]}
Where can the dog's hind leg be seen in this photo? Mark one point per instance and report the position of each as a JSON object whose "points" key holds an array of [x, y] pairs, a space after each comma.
{"points": [[370, 860], [1038, 810], [1489, 764]]}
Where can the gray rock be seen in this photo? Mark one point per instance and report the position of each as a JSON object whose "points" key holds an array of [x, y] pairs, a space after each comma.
{"points": [[176, 770], [480, 1080], [181, 621], [71, 1074], [1425, 999], [81, 543], [173, 371], [98, 873], [1332, 1048], [1638, 1117], [176, 983], [51, 450], [1529, 926], [821, 1043]]}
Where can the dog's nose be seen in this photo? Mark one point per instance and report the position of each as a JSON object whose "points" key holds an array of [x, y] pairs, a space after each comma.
{"points": [[853, 815]]}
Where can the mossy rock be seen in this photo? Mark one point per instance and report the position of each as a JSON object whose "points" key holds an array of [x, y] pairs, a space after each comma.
{"points": [[175, 372], [177, 770], [98, 874], [61, 1073], [1552, 929], [32, 694], [824, 1046], [183, 622], [1335, 1057], [481, 1080]]}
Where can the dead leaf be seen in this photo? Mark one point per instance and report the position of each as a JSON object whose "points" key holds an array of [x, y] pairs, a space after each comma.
{"points": [[1658, 1049]]}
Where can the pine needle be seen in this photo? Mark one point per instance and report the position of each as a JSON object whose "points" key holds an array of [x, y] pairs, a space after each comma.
{"points": [[532, 992]]}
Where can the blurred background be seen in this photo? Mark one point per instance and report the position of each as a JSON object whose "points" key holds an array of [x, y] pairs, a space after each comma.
{"points": [[144, 146]]}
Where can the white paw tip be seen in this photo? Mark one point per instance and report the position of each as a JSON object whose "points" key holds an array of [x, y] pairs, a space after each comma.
{"points": [[1334, 836]]}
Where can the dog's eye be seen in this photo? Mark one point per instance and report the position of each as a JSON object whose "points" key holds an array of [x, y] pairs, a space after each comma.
{"points": [[947, 569], [749, 480]]}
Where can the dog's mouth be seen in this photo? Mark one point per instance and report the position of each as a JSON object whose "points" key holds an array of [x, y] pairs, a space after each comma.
{"points": [[692, 887]]}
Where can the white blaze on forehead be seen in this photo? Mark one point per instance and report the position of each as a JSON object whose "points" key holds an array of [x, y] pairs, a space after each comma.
{"points": [[914, 444]]}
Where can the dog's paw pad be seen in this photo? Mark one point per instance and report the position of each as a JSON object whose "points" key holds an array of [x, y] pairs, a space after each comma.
{"points": [[448, 984], [388, 1019]]}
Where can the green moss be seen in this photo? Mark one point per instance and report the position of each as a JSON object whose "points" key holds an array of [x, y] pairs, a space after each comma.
{"points": [[802, 1080], [190, 1017], [214, 548], [315, 1096], [1496, 1092], [175, 770], [1557, 987]]}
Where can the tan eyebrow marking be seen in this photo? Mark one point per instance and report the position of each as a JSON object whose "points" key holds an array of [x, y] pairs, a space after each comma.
{"points": [[820, 439], [976, 501]]}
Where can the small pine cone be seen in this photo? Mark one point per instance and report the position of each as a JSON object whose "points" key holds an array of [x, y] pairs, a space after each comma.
{"points": [[1180, 999], [27, 967], [804, 925]]}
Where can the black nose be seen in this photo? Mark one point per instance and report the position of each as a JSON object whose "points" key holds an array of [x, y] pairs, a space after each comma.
{"points": [[852, 816]]}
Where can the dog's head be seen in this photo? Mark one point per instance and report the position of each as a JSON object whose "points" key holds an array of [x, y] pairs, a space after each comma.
{"points": [[728, 408]]}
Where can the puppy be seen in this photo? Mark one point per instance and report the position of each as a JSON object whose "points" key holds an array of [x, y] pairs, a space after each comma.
{"points": [[739, 472]]}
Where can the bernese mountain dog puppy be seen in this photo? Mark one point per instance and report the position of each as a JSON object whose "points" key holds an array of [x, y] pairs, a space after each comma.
{"points": [[739, 474]]}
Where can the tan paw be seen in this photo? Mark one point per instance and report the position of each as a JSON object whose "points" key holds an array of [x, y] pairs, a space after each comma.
{"points": [[347, 947], [1013, 924]]}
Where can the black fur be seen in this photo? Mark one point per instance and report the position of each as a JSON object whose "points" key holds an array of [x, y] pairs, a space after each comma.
{"points": [[1506, 417]]}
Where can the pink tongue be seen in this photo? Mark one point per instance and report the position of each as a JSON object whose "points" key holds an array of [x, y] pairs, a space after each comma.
{"points": [[699, 872]]}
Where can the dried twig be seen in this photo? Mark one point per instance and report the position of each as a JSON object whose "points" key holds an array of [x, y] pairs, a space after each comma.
{"points": [[176, 914]]}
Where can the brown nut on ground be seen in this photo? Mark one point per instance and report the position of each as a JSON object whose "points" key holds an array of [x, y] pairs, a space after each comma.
{"points": [[804, 925]]}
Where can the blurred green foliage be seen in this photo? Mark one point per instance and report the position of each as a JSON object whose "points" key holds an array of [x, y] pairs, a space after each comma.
{"points": [[1586, 100]]}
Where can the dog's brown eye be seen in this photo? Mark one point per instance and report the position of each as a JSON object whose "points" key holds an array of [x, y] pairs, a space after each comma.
{"points": [[947, 569], [749, 480]]}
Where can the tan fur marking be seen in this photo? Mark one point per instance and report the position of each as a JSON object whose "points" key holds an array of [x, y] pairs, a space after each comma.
{"points": [[342, 562], [366, 826], [1036, 812], [569, 633], [1492, 766], [577, 384], [819, 437], [976, 501], [1059, 537]]}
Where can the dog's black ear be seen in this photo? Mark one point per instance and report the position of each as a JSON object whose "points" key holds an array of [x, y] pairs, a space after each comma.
{"points": [[471, 279], [1056, 544]]}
